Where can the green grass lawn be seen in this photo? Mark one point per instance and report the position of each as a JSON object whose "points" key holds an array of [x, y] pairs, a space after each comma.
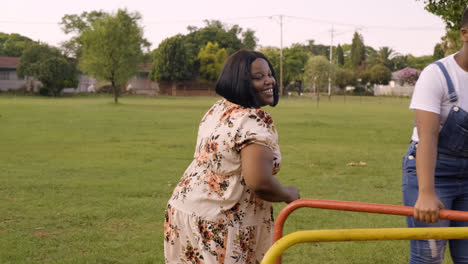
{"points": [[83, 180]]}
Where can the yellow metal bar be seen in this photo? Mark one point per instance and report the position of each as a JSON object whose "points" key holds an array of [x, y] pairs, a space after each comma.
{"points": [[362, 235]]}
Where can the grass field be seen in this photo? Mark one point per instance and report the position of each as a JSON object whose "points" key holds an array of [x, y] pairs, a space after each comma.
{"points": [[83, 180]]}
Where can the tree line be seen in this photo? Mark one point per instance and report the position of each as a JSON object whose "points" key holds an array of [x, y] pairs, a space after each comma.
{"points": [[111, 47]]}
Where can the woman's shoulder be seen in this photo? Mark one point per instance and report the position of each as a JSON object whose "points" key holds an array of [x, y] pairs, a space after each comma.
{"points": [[261, 117]]}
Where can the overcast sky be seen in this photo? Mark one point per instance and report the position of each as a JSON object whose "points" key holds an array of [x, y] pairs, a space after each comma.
{"points": [[403, 25]]}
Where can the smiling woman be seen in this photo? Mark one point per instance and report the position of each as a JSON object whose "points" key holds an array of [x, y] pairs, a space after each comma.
{"points": [[221, 211]]}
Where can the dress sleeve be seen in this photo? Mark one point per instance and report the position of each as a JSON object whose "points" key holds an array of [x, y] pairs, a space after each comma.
{"points": [[255, 127]]}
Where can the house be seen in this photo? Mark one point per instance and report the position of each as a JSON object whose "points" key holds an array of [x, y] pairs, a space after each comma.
{"points": [[401, 84], [9, 80], [141, 84]]}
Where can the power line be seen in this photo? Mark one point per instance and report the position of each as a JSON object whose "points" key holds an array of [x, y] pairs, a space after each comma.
{"points": [[26, 22], [387, 27], [309, 19]]}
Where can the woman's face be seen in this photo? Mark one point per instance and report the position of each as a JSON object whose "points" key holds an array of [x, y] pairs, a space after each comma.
{"points": [[263, 81]]}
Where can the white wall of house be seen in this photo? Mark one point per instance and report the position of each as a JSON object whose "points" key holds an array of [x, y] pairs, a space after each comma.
{"points": [[9, 80], [394, 88], [86, 84]]}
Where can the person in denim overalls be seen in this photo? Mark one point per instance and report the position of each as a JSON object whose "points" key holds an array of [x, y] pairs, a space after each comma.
{"points": [[435, 167]]}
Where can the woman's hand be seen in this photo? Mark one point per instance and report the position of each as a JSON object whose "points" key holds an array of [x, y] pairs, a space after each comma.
{"points": [[293, 193], [427, 208]]}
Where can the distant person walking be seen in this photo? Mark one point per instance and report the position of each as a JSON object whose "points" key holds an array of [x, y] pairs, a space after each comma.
{"points": [[220, 212], [435, 167]]}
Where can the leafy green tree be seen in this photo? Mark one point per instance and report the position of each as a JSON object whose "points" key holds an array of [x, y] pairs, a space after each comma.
{"points": [[399, 62], [273, 55], [228, 38], [317, 49], [171, 60], [56, 73], [380, 74], [13, 45], [372, 58], [438, 52], [249, 41], [340, 55], [211, 59], [385, 56], [214, 31], [112, 48], [449, 10], [419, 62], [358, 51], [49, 66], [316, 72], [345, 77], [294, 60], [451, 42], [76, 25]]}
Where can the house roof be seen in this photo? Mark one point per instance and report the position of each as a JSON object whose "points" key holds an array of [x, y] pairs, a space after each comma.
{"points": [[9, 62], [407, 70]]}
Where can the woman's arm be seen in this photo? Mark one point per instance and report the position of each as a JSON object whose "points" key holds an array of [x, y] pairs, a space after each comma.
{"points": [[257, 167], [428, 204]]}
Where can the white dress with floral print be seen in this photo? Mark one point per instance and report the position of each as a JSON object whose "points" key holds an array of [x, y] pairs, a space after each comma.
{"points": [[212, 216]]}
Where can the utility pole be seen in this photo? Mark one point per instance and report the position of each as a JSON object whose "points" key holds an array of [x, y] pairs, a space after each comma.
{"points": [[281, 55], [329, 71], [281, 52]]}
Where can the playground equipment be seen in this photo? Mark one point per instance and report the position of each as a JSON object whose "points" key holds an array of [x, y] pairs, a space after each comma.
{"points": [[281, 244]]}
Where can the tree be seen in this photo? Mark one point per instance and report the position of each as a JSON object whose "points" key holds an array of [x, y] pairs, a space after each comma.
{"points": [[294, 60], [228, 38], [316, 72], [399, 62], [385, 55], [211, 60], [358, 51], [451, 42], [112, 48], [249, 41], [56, 73], [49, 66], [438, 52], [77, 24], [317, 49], [380, 74], [273, 55], [13, 45], [409, 75], [419, 62], [171, 60], [345, 77], [449, 10], [340, 55]]}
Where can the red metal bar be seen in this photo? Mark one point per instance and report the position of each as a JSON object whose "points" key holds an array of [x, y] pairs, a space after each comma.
{"points": [[355, 207]]}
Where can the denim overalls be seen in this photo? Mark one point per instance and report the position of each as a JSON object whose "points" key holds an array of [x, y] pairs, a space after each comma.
{"points": [[451, 183]]}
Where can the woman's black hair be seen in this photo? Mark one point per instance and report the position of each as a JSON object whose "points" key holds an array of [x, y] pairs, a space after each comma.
{"points": [[235, 81]]}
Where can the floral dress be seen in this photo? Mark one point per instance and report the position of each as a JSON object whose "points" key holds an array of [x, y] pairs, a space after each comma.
{"points": [[212, 216]]}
